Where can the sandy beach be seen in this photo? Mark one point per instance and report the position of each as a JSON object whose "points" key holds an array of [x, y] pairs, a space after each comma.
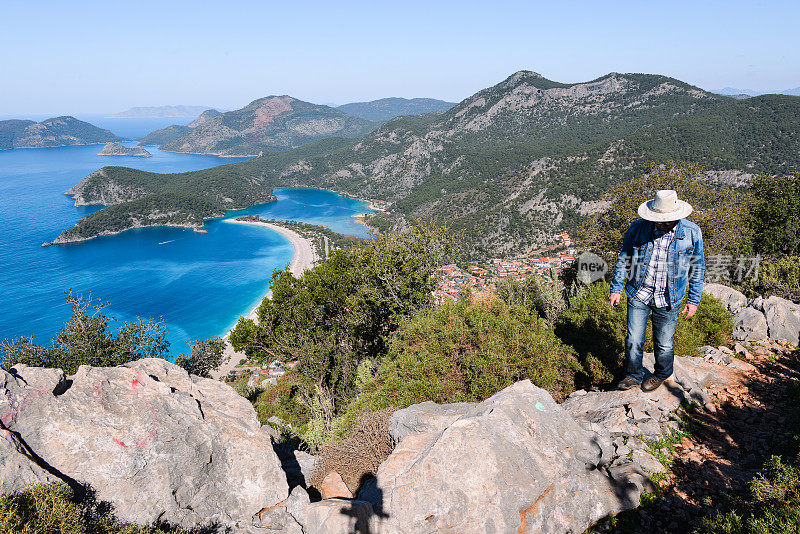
{"points": [[303, 258]]}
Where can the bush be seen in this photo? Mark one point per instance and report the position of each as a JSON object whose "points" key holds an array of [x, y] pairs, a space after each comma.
{"points": [[87, 339], [205, 357], [358, 456], [467, 351], [775, 213], [53, 508], [597, 331], [343, 311], [544, 296], [772, 504], [776, 276]]}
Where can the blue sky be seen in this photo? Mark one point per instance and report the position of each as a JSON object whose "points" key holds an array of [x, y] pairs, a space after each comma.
{"points": [[94, 57]]}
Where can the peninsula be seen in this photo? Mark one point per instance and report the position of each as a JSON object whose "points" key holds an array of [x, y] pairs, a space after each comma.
{"points": [[115, 149]]}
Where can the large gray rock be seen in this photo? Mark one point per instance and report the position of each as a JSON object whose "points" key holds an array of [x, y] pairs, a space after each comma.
{"points": [[516, 462], [152, 440], [732, 299], [749, 324], [783, 319]]}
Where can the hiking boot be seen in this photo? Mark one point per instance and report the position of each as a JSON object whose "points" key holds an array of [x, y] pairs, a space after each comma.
{"points": [[627, 383], [651, 384]]}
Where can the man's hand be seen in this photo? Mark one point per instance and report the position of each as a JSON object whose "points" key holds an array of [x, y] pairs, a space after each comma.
{"points": [[690, 310], [613, 299]]}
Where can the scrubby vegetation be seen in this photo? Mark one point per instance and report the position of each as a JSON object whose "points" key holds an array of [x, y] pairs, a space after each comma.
{"points": [[88, 338], [54, 509]]}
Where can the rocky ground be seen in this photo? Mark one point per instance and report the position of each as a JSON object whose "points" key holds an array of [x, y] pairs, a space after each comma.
{"points": [[748, 419]]}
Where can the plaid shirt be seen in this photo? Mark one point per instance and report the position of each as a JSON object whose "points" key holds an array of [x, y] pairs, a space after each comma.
{"points": [[654, 285]]}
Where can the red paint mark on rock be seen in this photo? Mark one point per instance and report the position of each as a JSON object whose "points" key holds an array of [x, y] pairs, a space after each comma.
{"points": [[135, 385]]}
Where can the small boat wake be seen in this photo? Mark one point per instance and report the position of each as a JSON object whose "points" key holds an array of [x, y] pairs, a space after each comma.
{"points": [[165, 242]]}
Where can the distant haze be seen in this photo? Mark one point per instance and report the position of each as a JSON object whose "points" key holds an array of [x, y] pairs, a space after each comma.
{"points": [[105, 57]]}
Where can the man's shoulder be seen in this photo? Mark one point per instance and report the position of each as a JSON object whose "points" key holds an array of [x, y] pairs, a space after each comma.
{"points": [[690, 225]]}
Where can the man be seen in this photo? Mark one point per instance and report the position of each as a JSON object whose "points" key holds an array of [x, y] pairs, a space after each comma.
{"points": [[662, 255]]}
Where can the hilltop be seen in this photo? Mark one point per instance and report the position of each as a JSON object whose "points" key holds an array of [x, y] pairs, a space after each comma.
{"points": [[386, 109], [170, 133], [57, 131], [269, 123], [519, 162]]}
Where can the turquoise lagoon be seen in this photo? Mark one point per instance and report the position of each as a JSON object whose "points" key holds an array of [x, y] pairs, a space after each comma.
{"points": [[199, 283]]}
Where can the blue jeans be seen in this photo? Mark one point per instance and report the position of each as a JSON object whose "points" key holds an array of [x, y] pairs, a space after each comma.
{"points": [[665, 321]]}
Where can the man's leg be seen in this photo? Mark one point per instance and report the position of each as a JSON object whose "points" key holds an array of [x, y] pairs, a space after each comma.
{"points": [[665, 322], [638, 314]]}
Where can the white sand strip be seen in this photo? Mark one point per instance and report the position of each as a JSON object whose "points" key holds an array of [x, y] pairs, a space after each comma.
{"points": [[303, 258]]}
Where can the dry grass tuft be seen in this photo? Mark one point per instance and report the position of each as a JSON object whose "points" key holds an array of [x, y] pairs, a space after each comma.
{"points": [[358, 456]]}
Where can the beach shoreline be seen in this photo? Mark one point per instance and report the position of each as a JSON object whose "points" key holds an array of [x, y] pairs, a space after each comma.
{"points": [[303, 258]]}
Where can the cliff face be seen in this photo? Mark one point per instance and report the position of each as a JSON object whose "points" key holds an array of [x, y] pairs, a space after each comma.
{"points": [[58, 131], [271, 123], [115, 149]]}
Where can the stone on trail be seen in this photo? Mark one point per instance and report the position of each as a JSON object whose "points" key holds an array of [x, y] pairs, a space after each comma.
{"points": [[516, 462], [155, 442]]}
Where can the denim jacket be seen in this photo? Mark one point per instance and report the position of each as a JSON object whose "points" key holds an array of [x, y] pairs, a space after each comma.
{"points": [[687, 262]]}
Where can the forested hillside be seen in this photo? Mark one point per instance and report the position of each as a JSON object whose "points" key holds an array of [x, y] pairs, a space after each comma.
{"points": [[521, 161]]}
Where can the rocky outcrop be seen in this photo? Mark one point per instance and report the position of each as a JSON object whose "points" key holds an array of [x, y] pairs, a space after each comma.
{"points": [[749, 324], [732, 299], [115, 149], [782, 317], [155, 442], [761, 318], [516, 462]]}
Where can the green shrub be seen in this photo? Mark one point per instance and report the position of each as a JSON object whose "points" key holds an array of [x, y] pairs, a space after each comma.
{"points": [[205, 357], [771, 506], [597, 331], [467, 351], [776, 276], [343, 311], [545, 296], [88, 339], [53, 509]]}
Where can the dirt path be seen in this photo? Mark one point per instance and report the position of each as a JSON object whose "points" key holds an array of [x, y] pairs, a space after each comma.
{"points": [[752, 419]]}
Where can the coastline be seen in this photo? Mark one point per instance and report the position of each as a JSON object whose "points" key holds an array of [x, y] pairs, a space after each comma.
{"points": [[303, 258]]}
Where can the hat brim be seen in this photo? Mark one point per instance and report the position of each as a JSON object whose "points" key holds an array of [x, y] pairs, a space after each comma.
{"points": [[683, 211]]}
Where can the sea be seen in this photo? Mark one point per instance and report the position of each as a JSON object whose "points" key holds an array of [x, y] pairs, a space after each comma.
{"points": [[197, 284]]}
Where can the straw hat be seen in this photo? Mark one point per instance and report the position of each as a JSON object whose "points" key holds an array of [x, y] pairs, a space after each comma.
{"points": [[664, 207]]}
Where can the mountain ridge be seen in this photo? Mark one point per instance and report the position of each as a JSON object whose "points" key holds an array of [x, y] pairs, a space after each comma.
{"points": [[385, 109], [525, 159], [268, 123]]}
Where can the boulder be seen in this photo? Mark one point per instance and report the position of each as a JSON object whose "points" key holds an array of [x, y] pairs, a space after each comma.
{"points": [[332, 486], [732, 299], [783, 319], [749, 324], [152, 440], [516, 462], [340, 516]]}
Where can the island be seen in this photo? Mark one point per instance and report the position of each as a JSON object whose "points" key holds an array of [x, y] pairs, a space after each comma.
{"points": [[54, 132], [115, 149]]}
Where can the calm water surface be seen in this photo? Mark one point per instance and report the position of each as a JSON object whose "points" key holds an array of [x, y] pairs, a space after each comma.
{"points": [[199, 283]]}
